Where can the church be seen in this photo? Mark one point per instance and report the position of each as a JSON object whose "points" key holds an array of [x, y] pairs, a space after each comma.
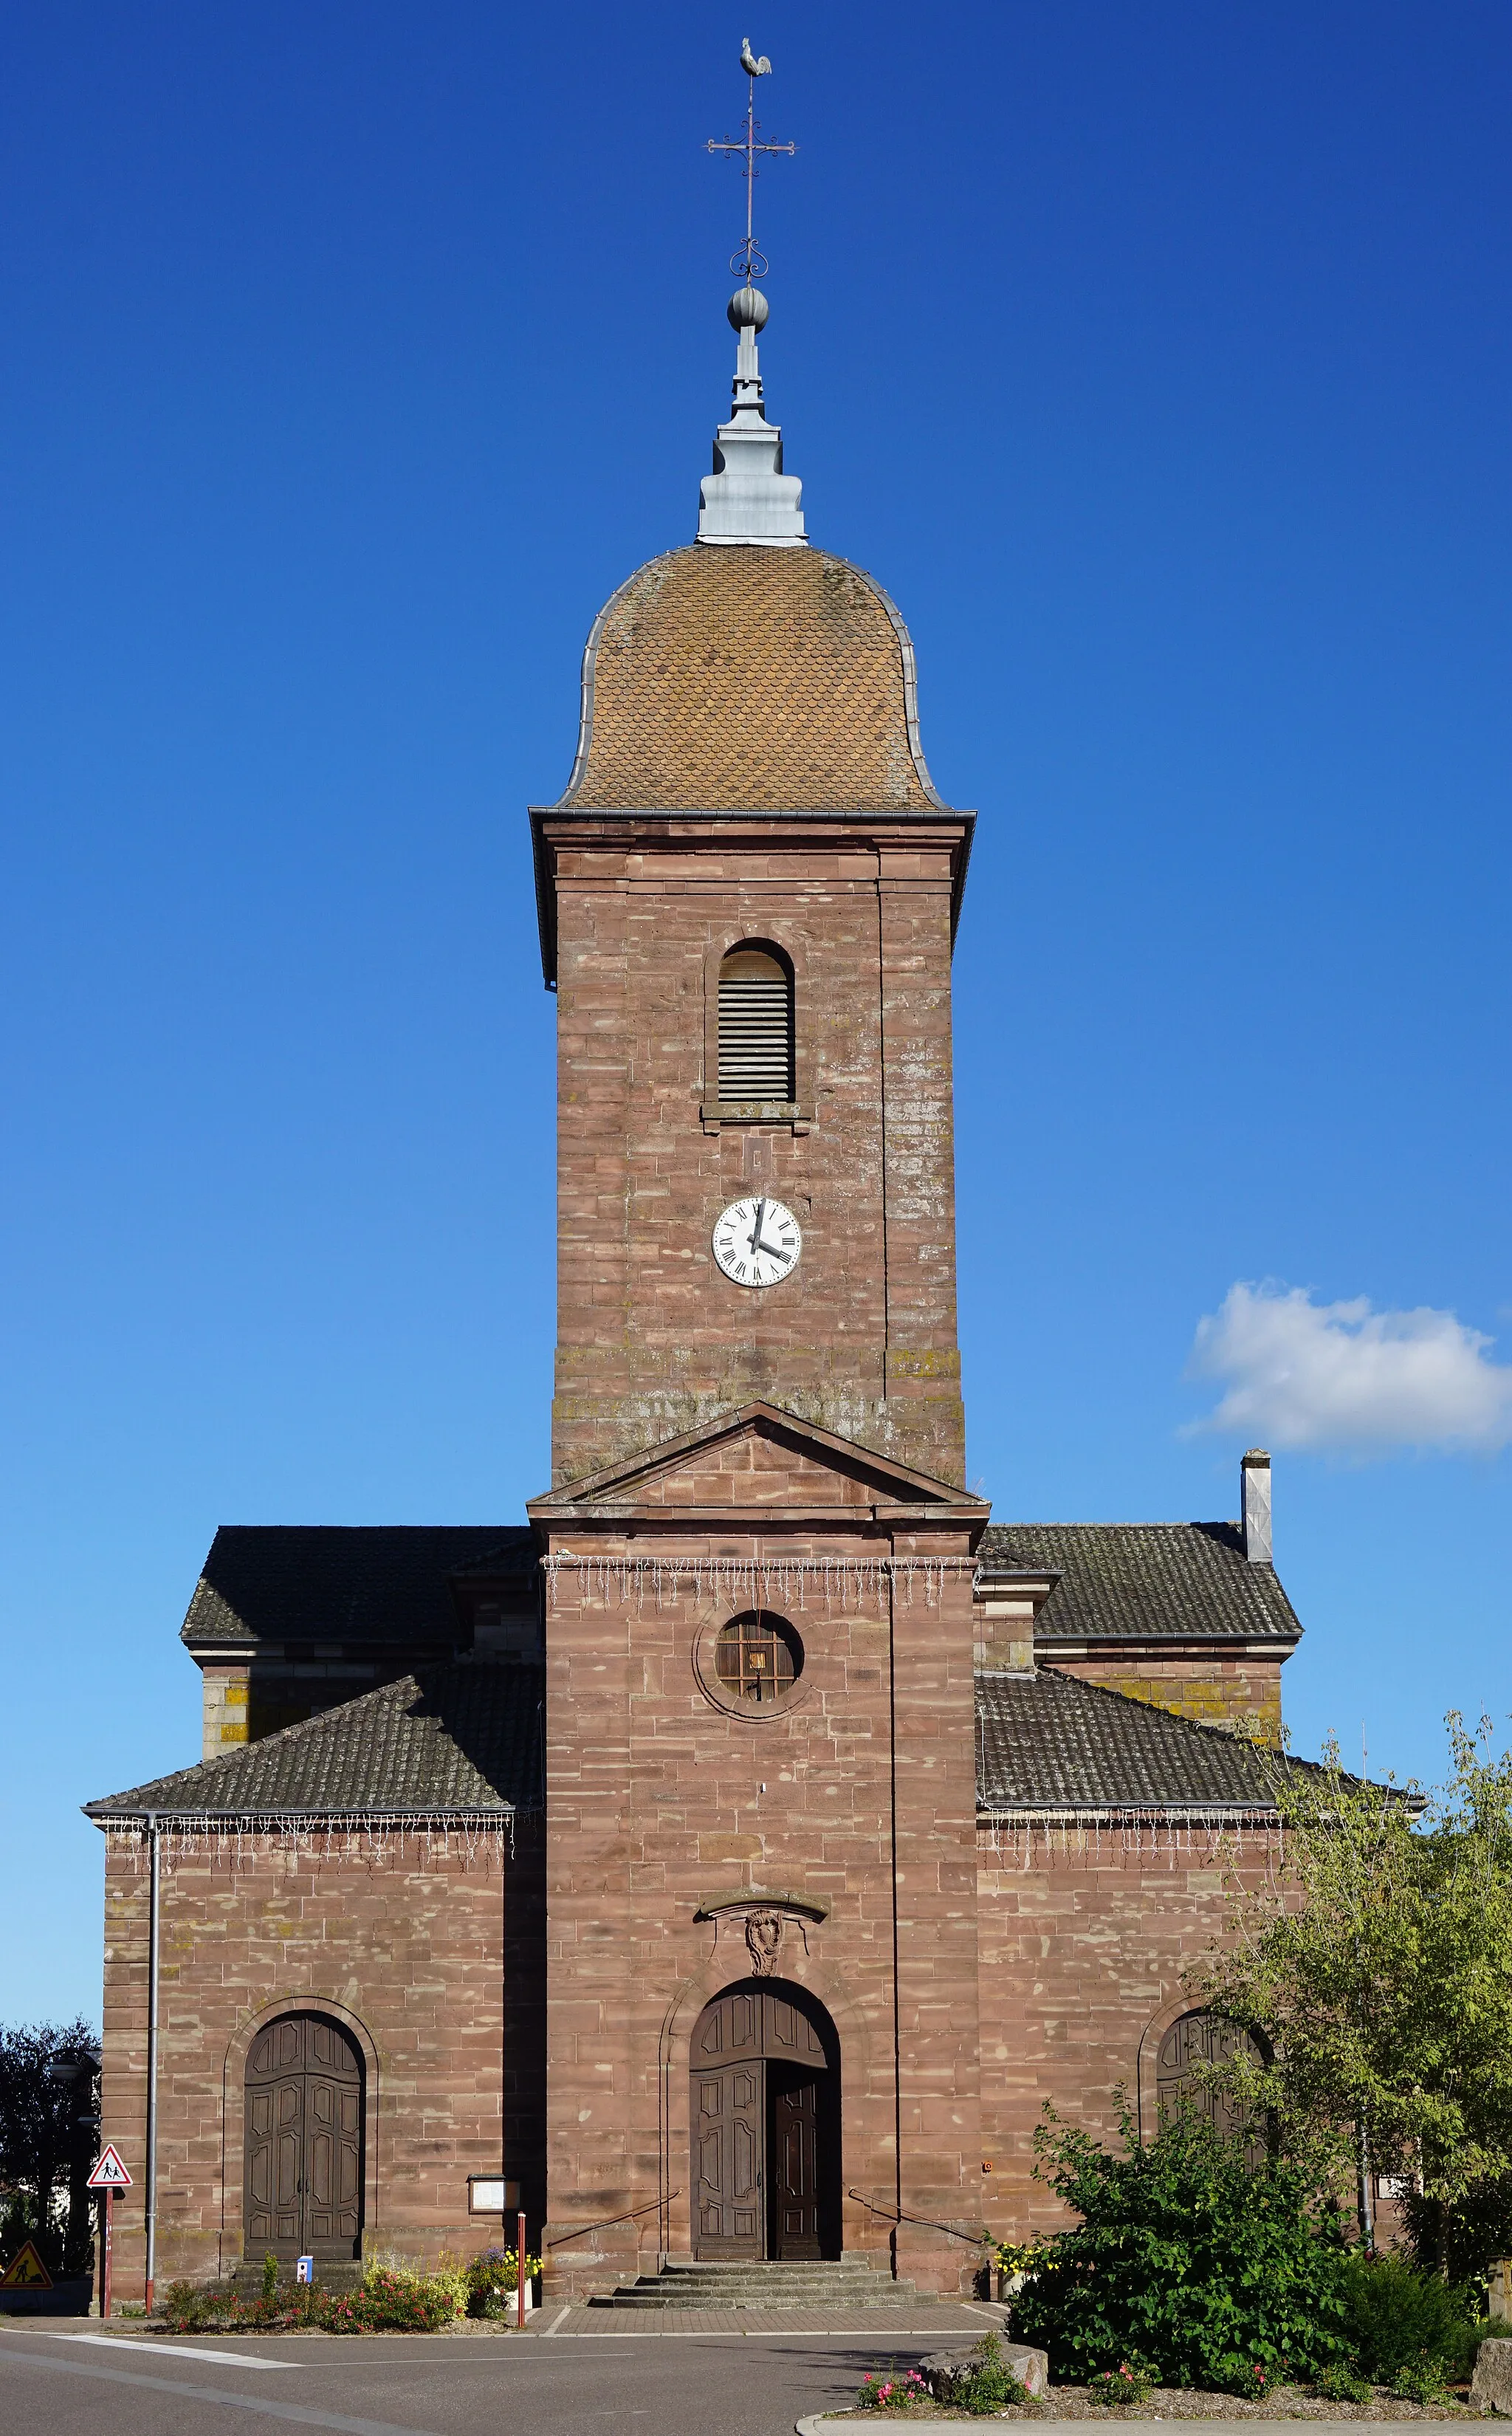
{"points": [[724, 1859]]}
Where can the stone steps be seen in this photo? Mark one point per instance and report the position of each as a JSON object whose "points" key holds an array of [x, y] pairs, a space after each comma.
{"points": [[795, 2285]]}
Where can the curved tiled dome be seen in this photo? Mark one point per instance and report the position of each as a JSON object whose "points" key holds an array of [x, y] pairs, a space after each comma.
{"points": [[747, 679]]}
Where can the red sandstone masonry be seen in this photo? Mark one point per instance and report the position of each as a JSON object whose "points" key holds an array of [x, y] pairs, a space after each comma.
{"points": [[656, 1808], [1086, 1937], [404, 1942], [651, 1339]]}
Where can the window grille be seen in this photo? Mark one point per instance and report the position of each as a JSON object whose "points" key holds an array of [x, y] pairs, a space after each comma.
{"points": [[759, 1656], [756, 1027]]}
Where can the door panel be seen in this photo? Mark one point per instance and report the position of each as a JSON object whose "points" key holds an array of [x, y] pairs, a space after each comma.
{"points": [[794, 2164], [729, 2110]]}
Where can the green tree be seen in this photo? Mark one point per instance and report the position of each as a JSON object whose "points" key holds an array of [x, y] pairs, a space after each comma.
{"points": [[41, 2138], [1376, 1967]]}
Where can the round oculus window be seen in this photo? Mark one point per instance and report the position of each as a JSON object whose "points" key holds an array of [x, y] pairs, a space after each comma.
{"points": [[757, 1657]]}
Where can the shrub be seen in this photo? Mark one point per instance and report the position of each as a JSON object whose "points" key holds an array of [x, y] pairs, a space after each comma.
{"points": [[1397, 2314], [392, 2300], [1116, 2388], [270, 2275], [1245, 2377], [191, 2308], [1189, 2256], [1340, 2383], [1421, 2380], [396, 2299]]}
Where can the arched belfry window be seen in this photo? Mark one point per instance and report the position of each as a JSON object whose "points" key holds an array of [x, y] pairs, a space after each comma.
{"points": [[755, 1024]]}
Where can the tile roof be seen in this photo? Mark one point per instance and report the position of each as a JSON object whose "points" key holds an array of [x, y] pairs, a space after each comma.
{"points": [[1049, 1742], [746, 679], [323, 1583], [1143, 1581], [462, 1737]]}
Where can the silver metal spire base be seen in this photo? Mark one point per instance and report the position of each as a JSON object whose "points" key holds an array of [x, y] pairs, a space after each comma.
{"points": [[748, 497]]}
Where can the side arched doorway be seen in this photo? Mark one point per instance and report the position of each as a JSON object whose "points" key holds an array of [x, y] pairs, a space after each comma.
{"points": [[764, 2063], [305, 2141], [1190, 2046]]}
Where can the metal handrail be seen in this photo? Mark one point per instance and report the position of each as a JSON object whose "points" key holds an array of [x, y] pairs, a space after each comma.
{"points": [[901, 2215], [604, 2222]]}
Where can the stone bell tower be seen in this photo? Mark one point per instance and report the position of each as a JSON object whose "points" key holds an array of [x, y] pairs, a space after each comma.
{"points": [[748, 782], [760, 1754]]}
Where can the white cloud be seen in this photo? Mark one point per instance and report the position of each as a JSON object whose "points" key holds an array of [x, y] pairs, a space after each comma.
{"points": [[1342, 1377]]}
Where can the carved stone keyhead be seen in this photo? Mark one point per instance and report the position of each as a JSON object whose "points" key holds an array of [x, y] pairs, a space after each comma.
{"points": [[763, 1936]]}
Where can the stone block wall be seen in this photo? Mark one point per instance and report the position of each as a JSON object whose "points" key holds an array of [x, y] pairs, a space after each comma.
{"points": [[1085, 1936], [652, 1341], [227, 1694], [401, 1938], [1202, 1684], [854, 1796]]}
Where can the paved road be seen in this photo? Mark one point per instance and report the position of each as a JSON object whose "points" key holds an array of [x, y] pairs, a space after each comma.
{"points": [[55, 2382]]}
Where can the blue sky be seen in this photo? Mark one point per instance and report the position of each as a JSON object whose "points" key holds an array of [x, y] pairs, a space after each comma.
{"points": [[1155, 359]]}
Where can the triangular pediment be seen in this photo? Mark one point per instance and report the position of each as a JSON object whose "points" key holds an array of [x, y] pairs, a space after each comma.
{"points": [[758, 1457]]}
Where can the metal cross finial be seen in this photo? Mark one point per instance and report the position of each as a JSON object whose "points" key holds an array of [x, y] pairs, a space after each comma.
{"points": [[750, 262]]}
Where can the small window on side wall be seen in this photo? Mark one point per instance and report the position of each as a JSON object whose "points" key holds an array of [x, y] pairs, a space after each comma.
{"points": [[756, 1025]]}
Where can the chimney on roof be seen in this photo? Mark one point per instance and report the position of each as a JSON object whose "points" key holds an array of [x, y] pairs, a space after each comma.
{"points": [[1255, 1479]]}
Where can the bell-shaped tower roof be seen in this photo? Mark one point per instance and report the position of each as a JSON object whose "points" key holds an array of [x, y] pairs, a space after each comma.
{"points": [[744, 678]]}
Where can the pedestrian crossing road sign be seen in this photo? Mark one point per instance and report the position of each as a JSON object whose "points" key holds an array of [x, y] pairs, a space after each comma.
{"points": [[109, 2174]]}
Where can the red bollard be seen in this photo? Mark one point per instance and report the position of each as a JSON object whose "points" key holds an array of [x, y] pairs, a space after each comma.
{"points": [[520, 2265]]}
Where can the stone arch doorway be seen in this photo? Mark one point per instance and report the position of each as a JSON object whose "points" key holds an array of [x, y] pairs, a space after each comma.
{"points": [[304, 2151], [764, 2113]]}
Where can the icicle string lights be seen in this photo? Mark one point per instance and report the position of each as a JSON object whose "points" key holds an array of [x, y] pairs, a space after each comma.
{"points": [[756, 1581], [1172, 1836], [292, 1837]]}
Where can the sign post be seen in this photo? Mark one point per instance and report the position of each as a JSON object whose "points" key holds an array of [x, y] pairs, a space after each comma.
{"points": [[109, 2177], [519, 2267]]}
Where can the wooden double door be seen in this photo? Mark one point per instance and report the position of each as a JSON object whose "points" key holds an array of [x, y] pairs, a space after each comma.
{"points": [[303, 2144], [765, 2118]]}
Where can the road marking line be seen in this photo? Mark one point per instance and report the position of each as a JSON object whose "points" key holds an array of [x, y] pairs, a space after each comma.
{"points": [[253, 2402], [144, 2344]]}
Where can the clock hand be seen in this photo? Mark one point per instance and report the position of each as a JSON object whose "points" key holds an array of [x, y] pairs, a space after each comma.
{"points": [[761, 1211], [775, 1249]]}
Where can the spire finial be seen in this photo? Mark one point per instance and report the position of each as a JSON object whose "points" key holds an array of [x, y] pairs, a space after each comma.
{"points": [[750, 262], [748, 497]]}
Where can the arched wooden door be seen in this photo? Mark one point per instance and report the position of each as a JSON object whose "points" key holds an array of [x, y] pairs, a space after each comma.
{"points": [[764, 2066], [1197, 2040], [304, 2154]]}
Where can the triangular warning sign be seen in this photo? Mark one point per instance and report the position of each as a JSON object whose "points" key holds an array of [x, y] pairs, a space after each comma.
{"points": [[109, 2174], [25, 2272]]}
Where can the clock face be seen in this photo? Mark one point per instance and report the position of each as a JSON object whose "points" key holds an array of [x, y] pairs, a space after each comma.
{"points": [[757, 1243]]}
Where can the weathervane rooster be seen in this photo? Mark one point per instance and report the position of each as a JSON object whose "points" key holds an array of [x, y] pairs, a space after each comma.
{"points": [[750, 262]]}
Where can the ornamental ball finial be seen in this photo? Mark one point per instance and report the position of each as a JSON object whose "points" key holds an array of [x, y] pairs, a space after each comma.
{"points": [[748, 309]]}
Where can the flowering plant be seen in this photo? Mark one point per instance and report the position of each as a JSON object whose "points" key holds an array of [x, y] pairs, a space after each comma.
{"points": [[1116, 2387], [892, 2392]]}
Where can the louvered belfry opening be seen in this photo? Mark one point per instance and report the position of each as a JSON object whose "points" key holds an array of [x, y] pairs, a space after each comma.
{"points": [[756, 1026]]}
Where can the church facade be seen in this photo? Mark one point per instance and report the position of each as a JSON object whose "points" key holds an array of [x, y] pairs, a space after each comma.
{"points": [[728, 1858]]}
